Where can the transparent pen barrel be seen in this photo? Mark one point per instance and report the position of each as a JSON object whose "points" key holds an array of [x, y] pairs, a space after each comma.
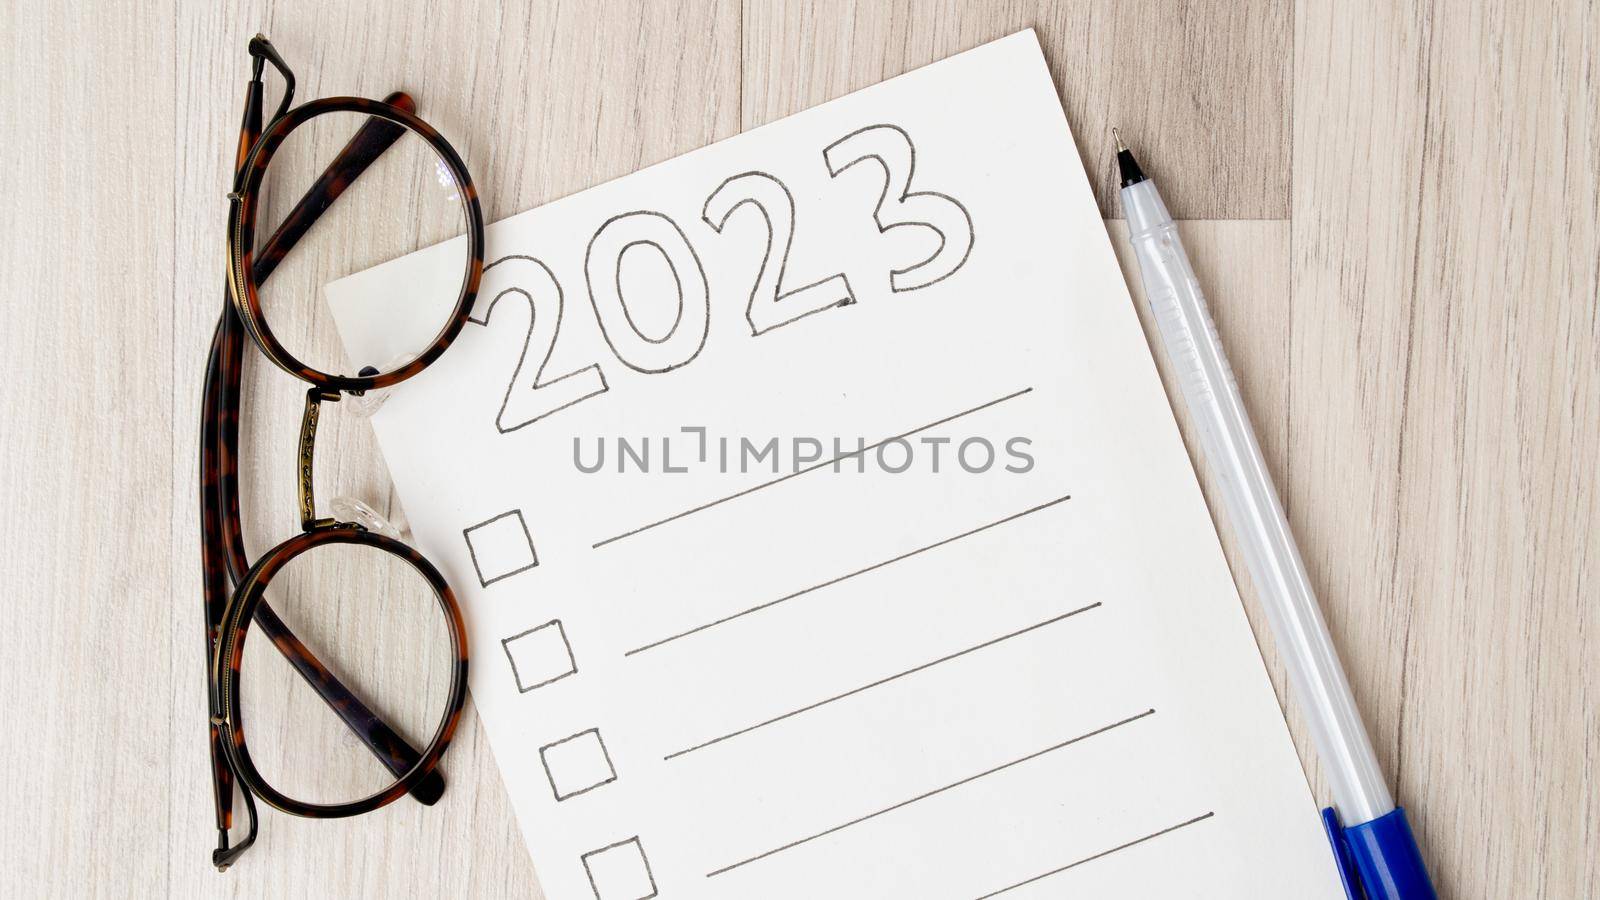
{"points": [[1315, 675]]}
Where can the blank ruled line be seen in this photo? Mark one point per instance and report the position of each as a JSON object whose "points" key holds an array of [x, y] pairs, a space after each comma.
{"points": [[812, 468], [936, 791], [882, 681], [1151, 836], [848, 575]]}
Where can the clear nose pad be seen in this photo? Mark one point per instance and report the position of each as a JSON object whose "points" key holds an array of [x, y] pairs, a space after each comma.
{"points": [[349, 509], [364, 405]]}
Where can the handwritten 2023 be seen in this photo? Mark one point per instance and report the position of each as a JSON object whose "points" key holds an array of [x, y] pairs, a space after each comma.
{"points": [[530, 396]]}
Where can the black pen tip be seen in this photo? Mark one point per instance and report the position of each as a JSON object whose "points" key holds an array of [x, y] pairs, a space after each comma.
{"points": [[1127, 167]]}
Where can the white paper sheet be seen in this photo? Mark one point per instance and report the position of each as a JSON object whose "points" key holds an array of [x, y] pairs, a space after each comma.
{"points": [[807, 680]]}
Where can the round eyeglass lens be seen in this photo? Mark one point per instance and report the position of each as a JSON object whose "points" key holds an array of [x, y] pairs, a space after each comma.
{"points": [[405, 199], [366, 618]]}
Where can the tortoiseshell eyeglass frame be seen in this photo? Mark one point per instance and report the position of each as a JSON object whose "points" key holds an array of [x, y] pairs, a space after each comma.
{"points": [[235, 590]]}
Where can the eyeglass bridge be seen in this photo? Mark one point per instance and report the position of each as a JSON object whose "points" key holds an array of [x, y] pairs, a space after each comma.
{"points": [[308, 446]]}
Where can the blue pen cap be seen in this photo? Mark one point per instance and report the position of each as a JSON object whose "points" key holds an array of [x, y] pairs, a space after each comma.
{"points": [[1379, 860]]}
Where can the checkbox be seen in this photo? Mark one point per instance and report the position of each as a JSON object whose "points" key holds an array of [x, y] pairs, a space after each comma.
{"points": [[540, 655], [620, 872], [577, 764], [501, 547]]}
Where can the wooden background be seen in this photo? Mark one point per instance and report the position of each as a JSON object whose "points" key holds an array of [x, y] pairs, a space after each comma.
{"points": [[1395, 208]]}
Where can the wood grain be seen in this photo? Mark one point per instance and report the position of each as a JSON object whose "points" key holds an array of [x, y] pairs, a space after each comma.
{"points": [[1445, 253], [1209, 79], [87, 575], [1414, 321]]}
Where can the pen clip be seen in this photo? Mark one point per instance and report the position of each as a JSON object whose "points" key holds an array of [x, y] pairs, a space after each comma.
{"points": [[1342, 858]]}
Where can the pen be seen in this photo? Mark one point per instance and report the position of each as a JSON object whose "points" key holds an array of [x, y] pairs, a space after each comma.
{"points": [[1376, 853]]}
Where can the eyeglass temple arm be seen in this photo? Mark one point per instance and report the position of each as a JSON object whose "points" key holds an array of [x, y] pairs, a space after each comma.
{"points": [[369, 142], [225, 346], [389, 747], [216, 584], [262, 51]]}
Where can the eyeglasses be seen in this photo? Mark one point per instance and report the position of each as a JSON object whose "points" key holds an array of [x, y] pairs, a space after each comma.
{"points": [[425, 176]]}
